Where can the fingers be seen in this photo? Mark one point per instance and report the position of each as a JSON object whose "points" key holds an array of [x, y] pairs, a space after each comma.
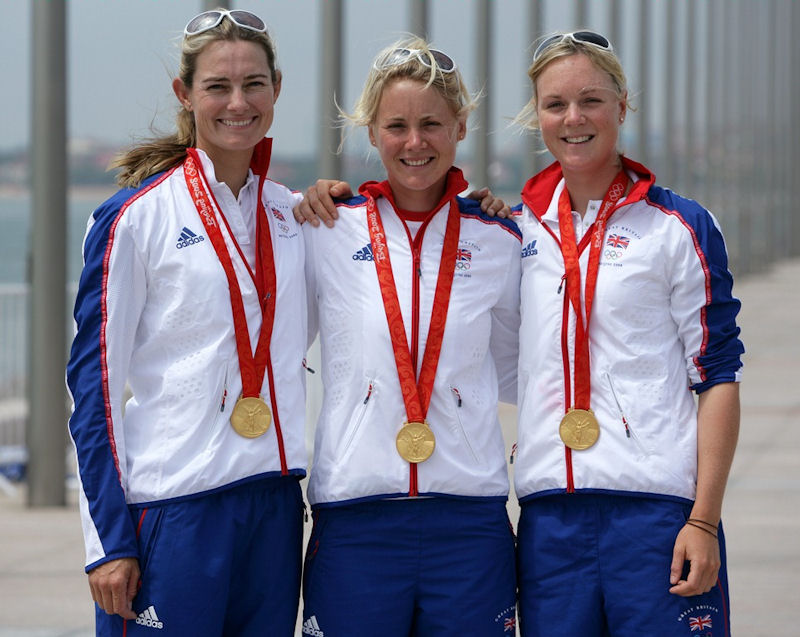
{"points": [[298, 215], [499, 208], [318, 204], [113, 586], [698, 582], [676, 567], [322, 202], [341, 189], [701, 550], [491, 205], [479, 194], [306, 209]]}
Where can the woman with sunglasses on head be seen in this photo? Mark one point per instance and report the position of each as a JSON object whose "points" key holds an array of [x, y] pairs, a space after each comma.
{"points": [[192, 295], [416, 296], [627, 307]]}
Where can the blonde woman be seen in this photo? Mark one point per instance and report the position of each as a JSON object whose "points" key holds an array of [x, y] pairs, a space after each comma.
{"points": [[192, 294], [415, 293], [627, 308]]}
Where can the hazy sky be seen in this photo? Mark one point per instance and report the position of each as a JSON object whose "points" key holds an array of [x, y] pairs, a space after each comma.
{"points": [[122, 54]]}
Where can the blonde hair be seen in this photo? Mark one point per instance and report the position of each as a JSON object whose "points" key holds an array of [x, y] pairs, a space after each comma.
{"points": [[162, 153], [604, 59], [450, 85]]}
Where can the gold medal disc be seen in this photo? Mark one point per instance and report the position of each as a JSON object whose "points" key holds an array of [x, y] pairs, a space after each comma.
{"points": [[415, 442], [579, 429], [251, 417]]}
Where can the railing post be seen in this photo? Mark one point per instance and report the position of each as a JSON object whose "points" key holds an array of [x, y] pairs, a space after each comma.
{"points": [[46, 431]]}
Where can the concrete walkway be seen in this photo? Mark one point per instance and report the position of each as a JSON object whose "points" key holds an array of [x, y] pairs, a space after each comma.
{"points": [[43, 591]]}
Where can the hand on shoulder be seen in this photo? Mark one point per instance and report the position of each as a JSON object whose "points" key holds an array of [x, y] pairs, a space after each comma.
{"points": [[318, 205]]}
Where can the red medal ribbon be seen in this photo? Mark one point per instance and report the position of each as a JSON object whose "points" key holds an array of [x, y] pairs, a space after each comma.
{"points": [[416, 392], [571, 250], [252, 366]]}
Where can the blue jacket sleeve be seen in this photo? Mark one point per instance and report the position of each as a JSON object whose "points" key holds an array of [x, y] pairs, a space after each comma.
{"points": [[96, 390]]}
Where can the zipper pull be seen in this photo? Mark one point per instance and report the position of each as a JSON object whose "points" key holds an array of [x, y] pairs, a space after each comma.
{"points": [[513, 453], [307, 368], [561, 285], [619, 405], [224, 396], [458, 396], [369, 393]]}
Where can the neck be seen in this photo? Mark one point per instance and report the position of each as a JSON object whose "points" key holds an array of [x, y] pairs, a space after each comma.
{"points": [[231, 168], [585, 187], [418, 200]]}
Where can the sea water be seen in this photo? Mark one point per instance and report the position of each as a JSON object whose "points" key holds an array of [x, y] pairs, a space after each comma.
{"points": [[15, 250], [15, 233]]}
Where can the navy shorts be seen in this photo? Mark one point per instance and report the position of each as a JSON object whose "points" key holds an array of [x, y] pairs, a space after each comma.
{"points": [[414, 567], [227, 563], [599, 565]]}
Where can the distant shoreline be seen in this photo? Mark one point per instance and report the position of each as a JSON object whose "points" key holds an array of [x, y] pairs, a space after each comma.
{"points": [[99, 193]]}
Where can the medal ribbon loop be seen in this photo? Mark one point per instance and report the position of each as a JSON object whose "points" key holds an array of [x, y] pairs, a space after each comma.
{"points": [[252, 365], [416, 392], [570, 250]]}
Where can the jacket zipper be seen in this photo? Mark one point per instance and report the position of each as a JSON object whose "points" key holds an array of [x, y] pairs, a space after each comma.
{"points": [[276, 418], [567, 378], [565, 361], [413, 486], [416, 248]]}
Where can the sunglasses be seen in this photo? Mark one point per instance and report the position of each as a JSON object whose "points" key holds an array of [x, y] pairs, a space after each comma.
{"points": [[209, 19], [584, 37], [400, 56]]}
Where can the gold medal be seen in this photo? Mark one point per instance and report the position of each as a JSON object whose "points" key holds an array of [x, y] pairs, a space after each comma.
{"points": [[579, 429], [415, 442], [251, 417]]}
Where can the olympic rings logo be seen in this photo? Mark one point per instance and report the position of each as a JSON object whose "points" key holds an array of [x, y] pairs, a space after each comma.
{"points": [[462, 265], [612, 254], [616, 191]]}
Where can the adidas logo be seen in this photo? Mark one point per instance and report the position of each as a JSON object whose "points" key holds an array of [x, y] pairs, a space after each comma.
{"points": [[188, 238], [310, 626], [149, 618], [365, 254], [530, 249]]}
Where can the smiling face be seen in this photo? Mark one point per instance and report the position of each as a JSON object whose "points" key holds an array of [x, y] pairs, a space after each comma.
{"points": [[232, 98], [579, 115], [416, 133]]}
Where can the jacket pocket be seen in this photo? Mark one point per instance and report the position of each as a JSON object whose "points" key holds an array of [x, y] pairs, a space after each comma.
{"points": [[148, 521], [630, 432], [456, 410], [357, 418]]}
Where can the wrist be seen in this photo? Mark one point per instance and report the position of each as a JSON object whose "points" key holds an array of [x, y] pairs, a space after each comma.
{"points": [[703, 525]]}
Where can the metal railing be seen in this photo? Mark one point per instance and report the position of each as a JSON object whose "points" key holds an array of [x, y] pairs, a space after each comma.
{"points": [[13, 382]]}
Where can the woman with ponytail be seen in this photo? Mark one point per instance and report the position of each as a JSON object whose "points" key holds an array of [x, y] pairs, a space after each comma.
{"points": [[187, 365]]}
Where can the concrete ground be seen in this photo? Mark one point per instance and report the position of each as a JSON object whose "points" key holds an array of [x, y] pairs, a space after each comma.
{"points": [[43, 591]]}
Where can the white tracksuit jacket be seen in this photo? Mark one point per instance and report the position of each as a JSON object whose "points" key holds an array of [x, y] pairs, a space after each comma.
{"points": [[153, 311], [662, 325], [355, 457]]}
